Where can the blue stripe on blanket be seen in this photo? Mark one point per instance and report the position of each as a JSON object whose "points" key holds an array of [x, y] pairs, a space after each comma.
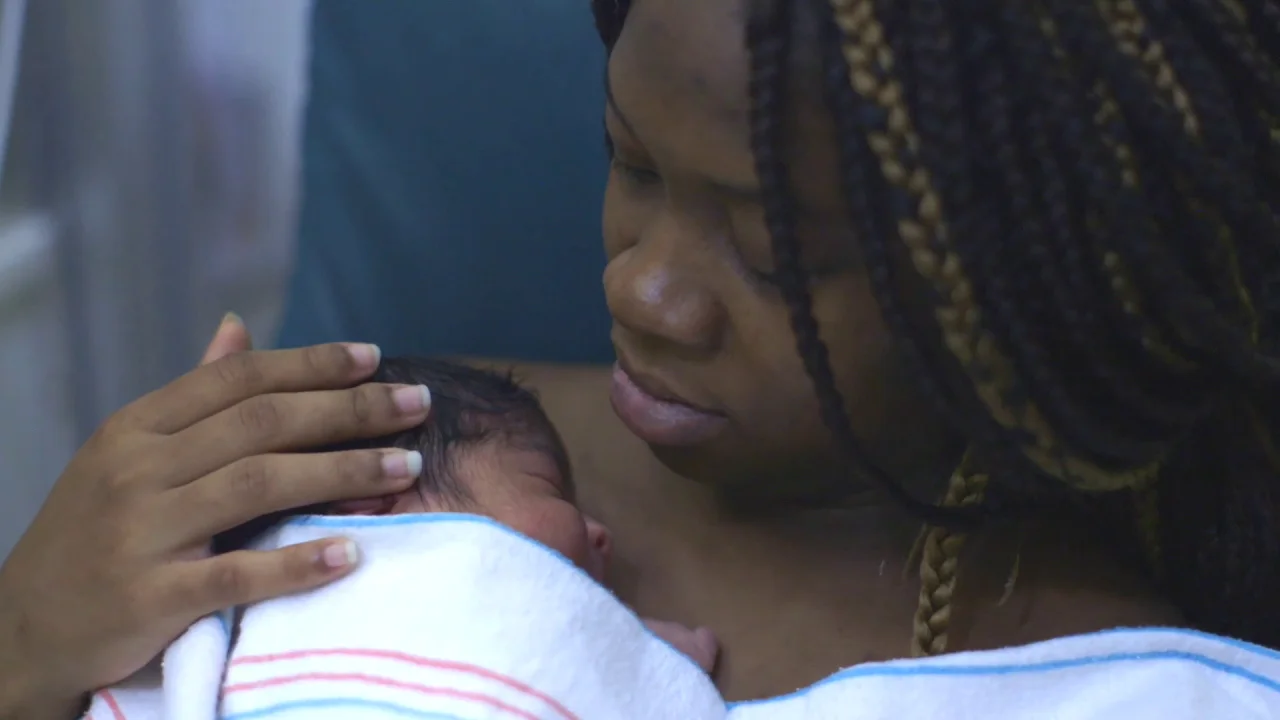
{"points": [[1048, 666], [340, 703]]}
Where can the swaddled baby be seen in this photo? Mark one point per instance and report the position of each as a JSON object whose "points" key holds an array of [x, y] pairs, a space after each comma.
{"points": [[479, 594], [488, 449]]}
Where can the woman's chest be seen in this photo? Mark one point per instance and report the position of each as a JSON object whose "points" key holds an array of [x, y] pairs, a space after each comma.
{"points": [[785, 617]]}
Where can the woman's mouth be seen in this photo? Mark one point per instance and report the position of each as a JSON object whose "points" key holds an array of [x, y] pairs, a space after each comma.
{"points": [[660, 421]]}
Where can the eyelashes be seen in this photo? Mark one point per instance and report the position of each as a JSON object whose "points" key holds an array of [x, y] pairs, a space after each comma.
{"points": [[641, 178], [635, 175]]}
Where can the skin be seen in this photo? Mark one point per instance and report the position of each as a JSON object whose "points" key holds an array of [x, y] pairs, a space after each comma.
{"points": [[113, 568]]}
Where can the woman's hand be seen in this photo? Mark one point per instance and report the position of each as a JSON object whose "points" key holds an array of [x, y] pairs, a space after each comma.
{"points": [[116, 564]]}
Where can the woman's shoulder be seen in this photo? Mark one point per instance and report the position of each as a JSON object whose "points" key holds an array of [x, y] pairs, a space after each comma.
{"points": [[1132, 673]]}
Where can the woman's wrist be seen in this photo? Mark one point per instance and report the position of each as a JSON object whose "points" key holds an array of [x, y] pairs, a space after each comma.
{"points": [[21, 698], [22, 695]]}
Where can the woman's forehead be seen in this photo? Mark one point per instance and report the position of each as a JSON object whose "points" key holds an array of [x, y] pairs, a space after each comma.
{"points": [[686, 54], [678, 81]]}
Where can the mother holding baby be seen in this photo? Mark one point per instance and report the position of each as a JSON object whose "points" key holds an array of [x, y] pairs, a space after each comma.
{"points": [[982, 291]]}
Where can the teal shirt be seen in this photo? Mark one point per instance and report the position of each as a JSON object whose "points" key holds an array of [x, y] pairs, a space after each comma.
{"points": [[453, 170]]}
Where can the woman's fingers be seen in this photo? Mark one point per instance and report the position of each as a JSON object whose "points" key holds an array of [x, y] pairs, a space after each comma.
{"points": [[193, 589], [232, 379], [264, 484], [286, 422], [230, 338]]}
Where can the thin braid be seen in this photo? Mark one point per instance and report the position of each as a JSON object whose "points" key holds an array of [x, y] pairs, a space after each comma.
{"points": [[1221, 255], [926, 236], [1038, 66], [1141, 239], [874, 221], [942, 545], [1117, 201], [1231, 34], [996, 141], [938, 546], [1062, 254], [939, 568], [1126, 24], [768, 37], [1200, 321], [1116, 138]]}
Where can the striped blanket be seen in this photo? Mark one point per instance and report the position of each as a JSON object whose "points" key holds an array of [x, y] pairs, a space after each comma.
{"points": [[453, 617]]}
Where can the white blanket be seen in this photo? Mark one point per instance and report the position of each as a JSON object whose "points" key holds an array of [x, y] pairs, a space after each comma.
{"points": [[453, 617]]}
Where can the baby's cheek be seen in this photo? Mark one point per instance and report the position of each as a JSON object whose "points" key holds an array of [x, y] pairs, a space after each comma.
{"points": [[556, 524]]}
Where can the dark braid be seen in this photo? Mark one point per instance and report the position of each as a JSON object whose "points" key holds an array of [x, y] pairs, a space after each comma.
{"points": [[1089, 196], [609, 15], [768, 37], [1194, 313]]}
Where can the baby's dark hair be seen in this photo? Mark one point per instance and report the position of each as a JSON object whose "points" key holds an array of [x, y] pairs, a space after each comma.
{"points": [[1088, 193], [469, 407]]}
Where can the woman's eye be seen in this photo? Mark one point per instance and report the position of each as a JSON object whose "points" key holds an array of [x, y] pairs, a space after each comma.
{"points": [[634, 174]]}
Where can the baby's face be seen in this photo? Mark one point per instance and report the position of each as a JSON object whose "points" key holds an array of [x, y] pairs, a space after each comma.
{"points": [[520, 488]]}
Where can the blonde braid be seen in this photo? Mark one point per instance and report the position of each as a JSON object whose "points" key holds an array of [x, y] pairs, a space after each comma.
{"points": [[1129, 29], [1118, 274], [940, 550], [896, 147]]}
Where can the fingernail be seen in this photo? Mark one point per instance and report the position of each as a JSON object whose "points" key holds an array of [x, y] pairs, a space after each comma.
{"points": [[402, 464], [367, 356], [412, 400], [339, 555], [230, 318]]}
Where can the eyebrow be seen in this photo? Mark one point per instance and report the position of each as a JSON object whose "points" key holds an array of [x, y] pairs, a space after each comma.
{"points": [[741, 193]]}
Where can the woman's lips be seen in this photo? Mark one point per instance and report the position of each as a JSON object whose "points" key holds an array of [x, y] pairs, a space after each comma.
{"points": [[658, 421]]}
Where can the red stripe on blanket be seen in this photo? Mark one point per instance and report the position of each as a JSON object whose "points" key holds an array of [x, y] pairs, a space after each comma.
{"points": [[479, 698], [412, 660], [116, 712]]}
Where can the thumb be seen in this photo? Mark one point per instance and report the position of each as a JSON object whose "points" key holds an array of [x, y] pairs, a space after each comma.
{"points": [[231, 337]]}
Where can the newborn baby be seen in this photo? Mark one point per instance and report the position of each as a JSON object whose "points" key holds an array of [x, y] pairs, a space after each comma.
{"points": [[488, 449]]}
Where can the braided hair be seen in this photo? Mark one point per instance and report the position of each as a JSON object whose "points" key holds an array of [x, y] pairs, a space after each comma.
{"points": [[1089, 194]]}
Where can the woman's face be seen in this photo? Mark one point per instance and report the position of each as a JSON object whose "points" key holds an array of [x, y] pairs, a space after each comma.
{"points": [[709, 372]]}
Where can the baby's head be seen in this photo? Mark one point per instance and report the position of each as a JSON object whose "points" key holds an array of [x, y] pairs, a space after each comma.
{"points": [[487, 449]]}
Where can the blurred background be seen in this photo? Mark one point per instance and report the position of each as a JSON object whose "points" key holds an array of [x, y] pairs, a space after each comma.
{"points": [[153, 148]]}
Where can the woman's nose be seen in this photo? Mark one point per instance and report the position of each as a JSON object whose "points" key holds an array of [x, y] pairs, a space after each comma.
{"points": [[655, 288]]}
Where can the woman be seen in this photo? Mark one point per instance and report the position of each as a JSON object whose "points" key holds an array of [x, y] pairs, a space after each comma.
{"points": [[1025, 252]]}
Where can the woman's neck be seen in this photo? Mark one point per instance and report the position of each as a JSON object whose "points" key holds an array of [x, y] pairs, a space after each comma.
{"points": [[836, 584], [796, 595]]}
